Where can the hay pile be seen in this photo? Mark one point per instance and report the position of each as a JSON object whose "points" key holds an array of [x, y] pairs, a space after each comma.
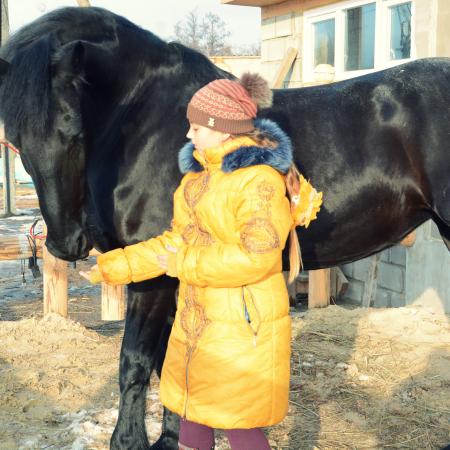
{"points": [[361, 379], [369, 379]]}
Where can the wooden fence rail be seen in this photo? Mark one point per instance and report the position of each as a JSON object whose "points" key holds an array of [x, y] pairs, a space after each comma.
{"points": [[14, 247]]}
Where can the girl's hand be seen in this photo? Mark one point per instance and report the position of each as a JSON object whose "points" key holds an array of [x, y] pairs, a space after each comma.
{"points": [[168, 261], [93, 274]]}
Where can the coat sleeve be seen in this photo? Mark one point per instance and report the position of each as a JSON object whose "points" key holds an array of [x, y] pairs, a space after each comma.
{"points": [[263, 221], [138, 262]]}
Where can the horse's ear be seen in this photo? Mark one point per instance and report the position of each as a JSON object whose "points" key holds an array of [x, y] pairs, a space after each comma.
{"points": [[83, 58], [78, 57], [69, 58], [4, 67]]}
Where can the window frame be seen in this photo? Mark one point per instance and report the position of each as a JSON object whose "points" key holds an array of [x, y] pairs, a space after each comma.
{"points": [[338, 13]]}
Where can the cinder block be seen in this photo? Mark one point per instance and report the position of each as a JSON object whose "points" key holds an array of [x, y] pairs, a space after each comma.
{"points": [[277, 48], [355, 291], [264, 51], [348, 269], [434, 232], [385, 255], [269, 69], [268, 29], [398, 255], [298, 23], [297, 71], [283, 25], [382, 298], [361, 268], [391, 277], [397, 300]]}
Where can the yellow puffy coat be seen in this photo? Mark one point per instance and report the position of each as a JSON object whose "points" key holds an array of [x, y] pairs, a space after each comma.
{"points": [[227, 362]]}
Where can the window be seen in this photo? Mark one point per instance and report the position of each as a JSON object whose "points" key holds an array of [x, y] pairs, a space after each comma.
{"points": [[360, 38], [400, 39], [357, 36], [324, 42]]}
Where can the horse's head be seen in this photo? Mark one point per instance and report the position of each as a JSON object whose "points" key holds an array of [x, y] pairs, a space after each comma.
{"points": [[75, 76], [41, 97]]}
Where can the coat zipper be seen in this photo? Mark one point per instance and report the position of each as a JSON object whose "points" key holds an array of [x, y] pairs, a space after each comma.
{"points": [[187, 383], [188, 360], [247, 316]]}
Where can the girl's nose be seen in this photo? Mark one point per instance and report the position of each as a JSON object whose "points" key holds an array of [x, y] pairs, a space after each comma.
{"points": [[190, 133]]}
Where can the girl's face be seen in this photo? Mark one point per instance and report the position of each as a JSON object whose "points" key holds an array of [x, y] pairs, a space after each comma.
{"points": [[203, 137]]}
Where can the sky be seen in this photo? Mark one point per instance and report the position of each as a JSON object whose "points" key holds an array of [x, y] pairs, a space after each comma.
{"points": [[158, 16]]}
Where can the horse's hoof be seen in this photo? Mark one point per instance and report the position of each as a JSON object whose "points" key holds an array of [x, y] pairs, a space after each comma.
{"points": [[121, 443], [165, 443]]}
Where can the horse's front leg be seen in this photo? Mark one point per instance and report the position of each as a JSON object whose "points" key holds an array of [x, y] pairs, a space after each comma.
{"points": [[143, 347]]}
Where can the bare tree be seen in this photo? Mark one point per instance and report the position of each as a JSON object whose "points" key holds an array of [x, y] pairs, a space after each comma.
{"points": [[190, 31], [207, 34], [247, 49], [215, 35]]}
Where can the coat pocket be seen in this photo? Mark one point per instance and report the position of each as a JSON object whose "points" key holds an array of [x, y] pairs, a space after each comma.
{"points": [[251, 313]]}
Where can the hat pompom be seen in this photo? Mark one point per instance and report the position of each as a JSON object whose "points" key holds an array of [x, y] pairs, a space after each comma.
{"points": [[258, 89]]}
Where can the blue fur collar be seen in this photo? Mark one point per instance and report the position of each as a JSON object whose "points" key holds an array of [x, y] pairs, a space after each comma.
{"points": [[280, 157]]}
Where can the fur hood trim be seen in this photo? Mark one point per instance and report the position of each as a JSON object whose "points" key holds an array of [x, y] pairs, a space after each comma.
{"points": [[280, 157]]}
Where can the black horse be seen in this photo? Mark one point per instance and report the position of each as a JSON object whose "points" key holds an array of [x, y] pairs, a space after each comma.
{"points": [[97, 107]]}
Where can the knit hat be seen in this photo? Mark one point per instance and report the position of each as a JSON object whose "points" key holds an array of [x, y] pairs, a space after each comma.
{"points": [[230, 106]]}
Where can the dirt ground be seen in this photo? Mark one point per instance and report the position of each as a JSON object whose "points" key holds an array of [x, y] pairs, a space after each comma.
{"points": [[361, 378], [376, 378]]}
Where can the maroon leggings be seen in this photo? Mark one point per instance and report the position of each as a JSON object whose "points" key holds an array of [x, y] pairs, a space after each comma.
{"points": [[201, 437]]}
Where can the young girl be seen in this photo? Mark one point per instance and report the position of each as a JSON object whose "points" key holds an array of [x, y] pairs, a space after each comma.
{"points": [[227, 361]]}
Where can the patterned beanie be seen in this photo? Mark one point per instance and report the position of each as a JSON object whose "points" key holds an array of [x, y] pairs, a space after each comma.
{"points": [[230, 106]]}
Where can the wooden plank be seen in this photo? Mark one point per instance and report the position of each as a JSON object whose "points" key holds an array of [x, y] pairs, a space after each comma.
{"points": [[9, 177], [282, 8], [286, 63], [319, 288], [370, 287], [18, 247], [113, 302], [55, 284]]}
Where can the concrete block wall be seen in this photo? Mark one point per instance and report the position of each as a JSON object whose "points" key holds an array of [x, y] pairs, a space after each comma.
{"points": [[278, 33], [391, 287]]}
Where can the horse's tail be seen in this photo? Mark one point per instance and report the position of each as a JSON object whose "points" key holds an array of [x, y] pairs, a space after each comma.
{"points": [[25, 87]]}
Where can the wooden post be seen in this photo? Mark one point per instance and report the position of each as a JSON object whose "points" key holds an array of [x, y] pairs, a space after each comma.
{"points": [[286, 63], [55, 284], [113, 302], [338, 282], [9, 178], [319, 288], [370, 288]]}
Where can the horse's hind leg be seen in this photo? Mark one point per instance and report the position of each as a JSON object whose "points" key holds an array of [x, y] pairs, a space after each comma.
{"points": [[149, 305]]}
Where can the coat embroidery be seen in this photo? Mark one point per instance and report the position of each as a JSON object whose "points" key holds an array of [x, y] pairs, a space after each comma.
{"points": [[259, 235], [193, 319], [193, 233], [195, 188]]}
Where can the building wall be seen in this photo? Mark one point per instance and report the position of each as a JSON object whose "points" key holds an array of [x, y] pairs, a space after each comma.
{"points": [[420, 273], [281, 28], [278, 33], [239, 64], [391, 282], [427, 279]]}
